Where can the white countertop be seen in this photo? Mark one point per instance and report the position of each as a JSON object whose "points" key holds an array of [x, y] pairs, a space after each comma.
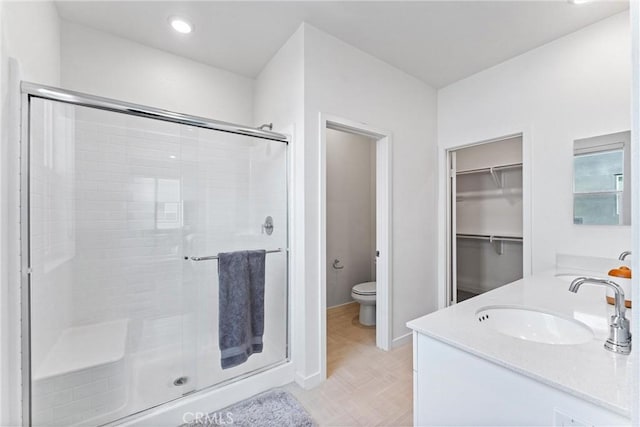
{"points": [[587, 371]]}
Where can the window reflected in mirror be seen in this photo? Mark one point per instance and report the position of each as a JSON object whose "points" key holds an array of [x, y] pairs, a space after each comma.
{"points": [[601, 185]]}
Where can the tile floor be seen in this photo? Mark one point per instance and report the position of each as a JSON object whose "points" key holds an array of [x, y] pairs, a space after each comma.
{"points": [[365, 386]]}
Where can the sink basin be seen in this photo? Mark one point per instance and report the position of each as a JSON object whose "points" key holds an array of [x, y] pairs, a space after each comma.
{"points": [[534, 325]]}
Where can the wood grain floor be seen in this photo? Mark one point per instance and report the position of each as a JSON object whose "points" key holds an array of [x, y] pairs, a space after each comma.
{"points": [[365, 386]]}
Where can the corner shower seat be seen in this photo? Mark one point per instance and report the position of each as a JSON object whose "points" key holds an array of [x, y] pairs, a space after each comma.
{"points": [[82, 375]]}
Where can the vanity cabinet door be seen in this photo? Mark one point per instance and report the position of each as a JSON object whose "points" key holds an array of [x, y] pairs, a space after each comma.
{"points": [[453, 387]]}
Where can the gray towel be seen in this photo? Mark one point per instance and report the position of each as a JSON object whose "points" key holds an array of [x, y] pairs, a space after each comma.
{"points": [[241, 305]]}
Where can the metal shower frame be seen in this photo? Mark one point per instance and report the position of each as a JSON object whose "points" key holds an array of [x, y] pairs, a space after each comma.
{"points": [[30, 91]]}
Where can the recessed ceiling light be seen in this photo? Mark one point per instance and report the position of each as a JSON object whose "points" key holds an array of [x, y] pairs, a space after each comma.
{"points": [[181, 25], [580, 1]]}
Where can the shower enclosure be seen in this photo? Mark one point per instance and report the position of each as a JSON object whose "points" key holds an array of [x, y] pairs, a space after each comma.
{"points": [[123, 211]]}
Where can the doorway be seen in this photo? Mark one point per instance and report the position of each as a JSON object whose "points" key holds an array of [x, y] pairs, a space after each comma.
{"points": [[351, 243], [365, 217], [485, 217]]}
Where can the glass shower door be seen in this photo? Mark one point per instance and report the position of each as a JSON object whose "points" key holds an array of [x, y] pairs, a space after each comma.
{"points": [[111, 332], [232, 184]]}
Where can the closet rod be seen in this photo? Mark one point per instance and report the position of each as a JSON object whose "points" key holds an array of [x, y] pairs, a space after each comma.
{"points": [[502, 192]]}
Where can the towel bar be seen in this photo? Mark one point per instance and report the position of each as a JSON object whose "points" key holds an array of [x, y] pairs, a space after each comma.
{"points": [[210, 257]]}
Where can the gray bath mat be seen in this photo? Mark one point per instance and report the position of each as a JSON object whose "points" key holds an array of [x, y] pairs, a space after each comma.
{"points": [[274, 408]]}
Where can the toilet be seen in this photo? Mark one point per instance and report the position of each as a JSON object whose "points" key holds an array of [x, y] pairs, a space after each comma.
{"points": [[365, 294]]}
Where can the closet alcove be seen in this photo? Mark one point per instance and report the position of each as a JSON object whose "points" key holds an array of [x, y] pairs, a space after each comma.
{"points": [[486, 217]]}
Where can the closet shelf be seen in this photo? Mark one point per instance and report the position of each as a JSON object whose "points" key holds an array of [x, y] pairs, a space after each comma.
{"points": [[490, 237], [488, 170], [496, 173], [496, 241]]}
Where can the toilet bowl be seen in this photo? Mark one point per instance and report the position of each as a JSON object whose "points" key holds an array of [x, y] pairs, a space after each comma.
{"points": [[365, 294]]}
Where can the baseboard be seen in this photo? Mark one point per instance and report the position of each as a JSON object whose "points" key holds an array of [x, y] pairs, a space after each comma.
{"points": [[309, 382], [402, 340], [341, 305]]}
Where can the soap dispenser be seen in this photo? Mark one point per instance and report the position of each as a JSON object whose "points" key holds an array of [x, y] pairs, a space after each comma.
{"points": [[622, 276]]}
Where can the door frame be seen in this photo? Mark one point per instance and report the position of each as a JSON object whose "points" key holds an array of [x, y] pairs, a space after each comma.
{"points": [[445, 200], [452, 244], [383, 228]]}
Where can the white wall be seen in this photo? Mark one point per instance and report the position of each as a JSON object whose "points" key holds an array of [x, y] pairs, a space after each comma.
{"points": [[343, 81], [350, 213], [98, 63], [279, 98], [571, 88], [313, 73], [279, 88], [30, 35]]}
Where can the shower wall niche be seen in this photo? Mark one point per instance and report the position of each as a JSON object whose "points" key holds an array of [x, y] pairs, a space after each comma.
{"points": [[121, 318]]}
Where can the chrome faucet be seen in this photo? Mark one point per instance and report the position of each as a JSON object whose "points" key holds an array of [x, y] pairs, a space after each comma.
{"points": [[623, 255], [619, 340]]}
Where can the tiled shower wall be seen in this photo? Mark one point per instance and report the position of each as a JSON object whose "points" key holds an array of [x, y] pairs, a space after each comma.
{"points": [[128, 219]]}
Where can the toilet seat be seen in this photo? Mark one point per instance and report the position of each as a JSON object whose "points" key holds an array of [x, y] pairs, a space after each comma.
{"points": [[365, 289]]}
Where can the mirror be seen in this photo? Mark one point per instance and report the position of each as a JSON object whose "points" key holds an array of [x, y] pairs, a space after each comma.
{"points": [[601, 180]]}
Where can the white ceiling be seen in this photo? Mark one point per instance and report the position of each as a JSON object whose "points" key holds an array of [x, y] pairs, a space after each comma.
{"points": [[438, 42]]}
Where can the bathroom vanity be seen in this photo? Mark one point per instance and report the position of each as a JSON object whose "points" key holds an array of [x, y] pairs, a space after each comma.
{"points": [[528, 353]]}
